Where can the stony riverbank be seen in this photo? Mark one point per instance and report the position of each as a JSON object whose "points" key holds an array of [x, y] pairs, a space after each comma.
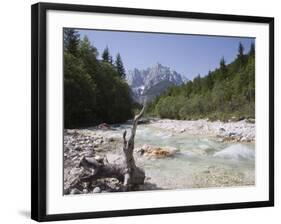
{"points": [[83, 142], [201, 161], [241, 131]]}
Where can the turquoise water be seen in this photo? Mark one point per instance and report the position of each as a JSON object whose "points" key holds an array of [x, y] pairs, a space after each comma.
{"points": [[200, 162]]}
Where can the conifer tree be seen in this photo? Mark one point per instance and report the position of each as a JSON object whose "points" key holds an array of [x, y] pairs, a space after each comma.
{"points": [[119, 66], [106, 55], [71, 40], [252, 49], [240, 51], [222, 71], [222, 63]]}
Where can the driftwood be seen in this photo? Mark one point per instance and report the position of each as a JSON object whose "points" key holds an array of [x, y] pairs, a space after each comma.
{"points": [[127, 173]]}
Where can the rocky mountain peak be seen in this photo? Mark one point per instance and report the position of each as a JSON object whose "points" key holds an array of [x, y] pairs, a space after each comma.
{"points": [[153, 80]]}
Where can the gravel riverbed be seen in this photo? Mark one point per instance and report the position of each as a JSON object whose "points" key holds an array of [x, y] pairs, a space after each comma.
{"points": [[203, 154], [241, 131]]}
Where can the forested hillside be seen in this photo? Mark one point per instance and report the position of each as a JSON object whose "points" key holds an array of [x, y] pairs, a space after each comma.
{"points": [[225, 93], [95, 91]]}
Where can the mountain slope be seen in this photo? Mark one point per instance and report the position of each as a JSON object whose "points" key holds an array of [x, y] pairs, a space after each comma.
{"points": [[226, 93], [150, 82]]}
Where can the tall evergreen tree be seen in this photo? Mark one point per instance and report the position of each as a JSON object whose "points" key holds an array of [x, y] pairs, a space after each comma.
{"points": [[88, 53], [240, 50], [209, 80], [71, 40], [222, 63], [120, 67], [222, 68], [106, 55], [252, 49]]}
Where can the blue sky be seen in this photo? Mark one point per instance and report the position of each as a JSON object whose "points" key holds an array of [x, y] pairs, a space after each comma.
{"points": [[189, 55]]}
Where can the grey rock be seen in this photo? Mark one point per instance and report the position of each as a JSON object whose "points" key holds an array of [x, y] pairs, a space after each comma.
{"points": [[97, 190], [243, 139], [182, 130], [232, 134], [77, 148], [75, 191]]}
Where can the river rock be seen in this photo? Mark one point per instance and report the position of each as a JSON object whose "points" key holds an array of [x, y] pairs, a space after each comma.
{"points": [[98, 141], [182, 130], [77, 148], [104, 126], [97, 190], [75, 191], [144, 121], [232, 134], [228, 131], [243, 139], [157, 152]]}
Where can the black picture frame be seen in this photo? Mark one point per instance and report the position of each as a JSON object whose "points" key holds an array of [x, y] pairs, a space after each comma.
{"points": [[38, 108]]}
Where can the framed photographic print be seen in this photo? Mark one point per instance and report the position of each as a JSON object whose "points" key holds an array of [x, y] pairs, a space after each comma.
{"points": [[139, 111]]}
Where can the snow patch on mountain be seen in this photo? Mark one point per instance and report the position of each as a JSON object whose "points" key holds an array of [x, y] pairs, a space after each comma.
{"points": [[143, 81]]}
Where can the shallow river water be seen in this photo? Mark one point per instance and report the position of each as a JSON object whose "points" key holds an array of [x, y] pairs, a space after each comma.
{"points": [[200, 162]]}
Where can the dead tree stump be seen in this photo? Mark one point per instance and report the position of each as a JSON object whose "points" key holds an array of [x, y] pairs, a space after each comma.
{"points": [[127, 173]]}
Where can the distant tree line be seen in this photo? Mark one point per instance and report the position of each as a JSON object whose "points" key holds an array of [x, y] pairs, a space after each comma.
{"points": [[225, 93], [95, 91]]}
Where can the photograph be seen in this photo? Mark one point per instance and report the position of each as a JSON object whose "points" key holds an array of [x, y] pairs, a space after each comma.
{"points": [[140, 112], [154, 111]]}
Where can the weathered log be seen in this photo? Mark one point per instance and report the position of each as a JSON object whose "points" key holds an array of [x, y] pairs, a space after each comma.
{"points": [[127, 173], [99, 169]]}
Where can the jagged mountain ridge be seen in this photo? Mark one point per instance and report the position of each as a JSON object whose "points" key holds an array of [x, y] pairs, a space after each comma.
{"points": [[150, 82]]}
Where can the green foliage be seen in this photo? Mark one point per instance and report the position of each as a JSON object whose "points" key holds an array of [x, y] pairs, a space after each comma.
{"points": [[240, 50], [93, 90], [222, 63], [71, 41], [241, 56], [252, 49], [225, 93], [119, 66], [106, 56]]}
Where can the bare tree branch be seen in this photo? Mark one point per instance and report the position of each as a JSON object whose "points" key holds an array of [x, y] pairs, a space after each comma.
{"points": [[128, 173]]}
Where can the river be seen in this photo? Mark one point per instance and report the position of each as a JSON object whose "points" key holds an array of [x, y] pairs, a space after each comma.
{"points": [[201, 162]]}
